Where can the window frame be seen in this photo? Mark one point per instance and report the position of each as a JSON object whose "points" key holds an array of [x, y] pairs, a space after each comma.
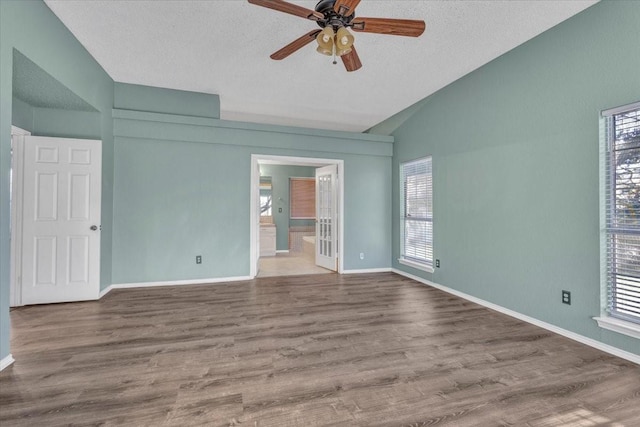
{"points": [[608, 319], [424, 264]]}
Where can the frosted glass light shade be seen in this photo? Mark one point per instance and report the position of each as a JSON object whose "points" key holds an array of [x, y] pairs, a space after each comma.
{"points": [[325, 41]]}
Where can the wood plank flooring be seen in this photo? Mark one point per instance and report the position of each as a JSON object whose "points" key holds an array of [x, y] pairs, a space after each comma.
{"points": [[320, 350]]}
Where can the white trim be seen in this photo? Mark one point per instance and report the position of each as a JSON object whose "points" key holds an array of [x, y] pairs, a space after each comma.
{"points": [[621, 109], [368, 270], [15, 130], [602, 188], [572, 335], [416, 265], [17, 165], [7, 361], [340, 216], [254, 217], [105, 291], [619, 326], [294, 161], [216, 280], [283, 251]]}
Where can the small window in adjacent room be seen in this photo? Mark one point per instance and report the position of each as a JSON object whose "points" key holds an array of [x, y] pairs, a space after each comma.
{"points": [[416, 215], [265, 205], [621, 218], [265, 198], [303, 198]]}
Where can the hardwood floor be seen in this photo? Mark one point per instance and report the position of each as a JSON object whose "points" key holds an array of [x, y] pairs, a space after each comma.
{"points": [[356, 350]]}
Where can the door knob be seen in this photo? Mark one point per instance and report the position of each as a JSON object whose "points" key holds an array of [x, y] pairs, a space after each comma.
{"points": [[94, 227]]}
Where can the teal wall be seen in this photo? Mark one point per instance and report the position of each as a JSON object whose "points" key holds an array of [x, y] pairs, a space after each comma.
{"points": [[169, 101], [515, 180], [66, 124], [280, 175], [53, 48], [182, 174], [56, 122], [515, 157], [21, 114], [182, 189]]}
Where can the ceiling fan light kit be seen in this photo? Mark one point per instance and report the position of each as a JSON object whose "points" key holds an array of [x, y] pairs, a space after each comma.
{"points": [[344, 41], [335, 17], [325, 41]]}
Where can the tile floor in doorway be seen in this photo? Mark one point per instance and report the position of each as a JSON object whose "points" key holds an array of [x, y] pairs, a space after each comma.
{"points": [[289, 264]]}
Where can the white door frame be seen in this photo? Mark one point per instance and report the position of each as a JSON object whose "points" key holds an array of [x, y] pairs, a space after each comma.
{"points": [[17, 148], [254, 217]]}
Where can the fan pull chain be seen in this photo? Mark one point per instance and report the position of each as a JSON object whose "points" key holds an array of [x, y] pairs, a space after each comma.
{"points": [[334, 54]]}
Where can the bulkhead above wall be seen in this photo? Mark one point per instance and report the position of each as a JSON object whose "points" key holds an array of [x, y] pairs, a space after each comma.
{"points": [[45, 107], [166, 101], [36, 87]]}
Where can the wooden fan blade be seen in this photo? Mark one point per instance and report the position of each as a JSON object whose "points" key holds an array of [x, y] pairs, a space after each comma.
{"points": [[295, 45], [293, 9], [351, 60], [346, 7], [396, 27]]}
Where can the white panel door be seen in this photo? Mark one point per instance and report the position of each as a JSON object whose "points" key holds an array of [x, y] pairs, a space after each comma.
{"points": [[326, 217], [61, 220]]}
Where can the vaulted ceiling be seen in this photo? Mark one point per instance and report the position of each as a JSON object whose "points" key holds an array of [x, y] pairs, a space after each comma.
{"points": [[223, 47]]}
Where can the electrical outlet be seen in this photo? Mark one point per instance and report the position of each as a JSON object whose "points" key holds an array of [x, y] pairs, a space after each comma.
{"points": [[198, 259], [566, 297], [361, 255], [279, 210], [437, 263]]}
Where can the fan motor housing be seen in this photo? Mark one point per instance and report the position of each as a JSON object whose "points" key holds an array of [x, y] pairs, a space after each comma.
{"points": [[331, 18]]}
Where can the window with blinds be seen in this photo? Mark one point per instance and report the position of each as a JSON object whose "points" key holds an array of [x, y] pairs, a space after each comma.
{"points": [[302, 194], [417, 212], [622, 193]]}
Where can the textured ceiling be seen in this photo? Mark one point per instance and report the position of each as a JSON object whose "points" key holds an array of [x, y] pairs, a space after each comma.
{"points": [[34, 86], [223, 47]]}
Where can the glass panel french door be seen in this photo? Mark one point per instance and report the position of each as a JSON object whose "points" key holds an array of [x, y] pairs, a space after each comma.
{"points": [[326, 217]]}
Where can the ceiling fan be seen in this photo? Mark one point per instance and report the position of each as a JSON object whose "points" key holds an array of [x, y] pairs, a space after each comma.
{"points": [[334, 18]]}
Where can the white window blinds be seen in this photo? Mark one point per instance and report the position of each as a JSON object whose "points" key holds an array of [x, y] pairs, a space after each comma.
{"points": [[622, 194], [417, 211]]}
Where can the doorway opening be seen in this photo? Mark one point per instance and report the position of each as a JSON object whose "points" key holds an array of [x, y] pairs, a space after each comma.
{"points": [[291, 237]]}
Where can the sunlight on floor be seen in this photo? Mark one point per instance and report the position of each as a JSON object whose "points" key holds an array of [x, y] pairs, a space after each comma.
{"points": [[576, 418]]}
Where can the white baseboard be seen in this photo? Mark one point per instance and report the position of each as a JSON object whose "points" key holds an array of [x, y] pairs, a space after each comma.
{"points": [[283, 251], [572, 335], [217, 280], [105, 291], [7, 361], [367, 270]]}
